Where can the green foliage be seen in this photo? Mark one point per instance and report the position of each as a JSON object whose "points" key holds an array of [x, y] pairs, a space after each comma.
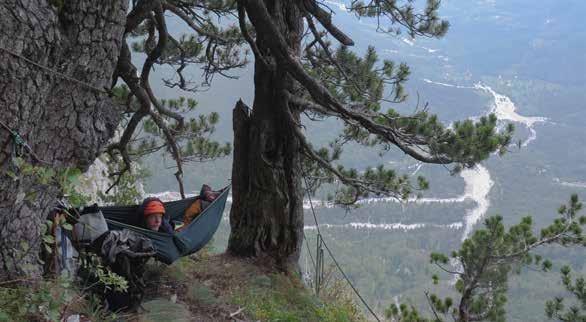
{"points": [[484, 261], [362, 84], [557, 308], [357, 80], [66, 179], [465, 144], [168, 124], [217, 47], [127, 191], [284, 299], [92, 308], [39, 302], [50, 300], [191, 135], [403, 312], [426, 23], [104, 277]]}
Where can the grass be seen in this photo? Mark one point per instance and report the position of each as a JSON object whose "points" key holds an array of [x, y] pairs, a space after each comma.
{"points": [[286, 299], [222, 287]]}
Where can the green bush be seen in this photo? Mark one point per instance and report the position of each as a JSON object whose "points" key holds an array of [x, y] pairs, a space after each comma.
{"points": [[42, 301]]}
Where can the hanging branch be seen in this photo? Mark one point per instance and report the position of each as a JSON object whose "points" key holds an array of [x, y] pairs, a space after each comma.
{"points": [[143, 107]]}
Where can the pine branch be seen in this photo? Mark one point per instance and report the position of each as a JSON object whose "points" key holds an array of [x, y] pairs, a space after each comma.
{"points": [[326, 21]]}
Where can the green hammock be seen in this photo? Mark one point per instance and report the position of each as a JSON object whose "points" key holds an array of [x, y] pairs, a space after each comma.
{"points": [[170, 247]]}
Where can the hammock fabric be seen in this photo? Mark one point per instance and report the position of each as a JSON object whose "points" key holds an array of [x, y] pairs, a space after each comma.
{"points": [[170, 247]]}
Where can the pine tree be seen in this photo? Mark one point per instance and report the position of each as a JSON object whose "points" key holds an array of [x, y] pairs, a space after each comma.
{"points": [[299, 71], [302, 66], [485, 261]]}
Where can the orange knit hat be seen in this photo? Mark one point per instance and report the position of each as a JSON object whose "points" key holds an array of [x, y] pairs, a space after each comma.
{"points": [[154, 207]]}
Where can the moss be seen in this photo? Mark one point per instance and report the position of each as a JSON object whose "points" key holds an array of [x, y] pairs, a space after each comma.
{"points": [[57, 4], [262, 281], [201, 294], [162, 310]]}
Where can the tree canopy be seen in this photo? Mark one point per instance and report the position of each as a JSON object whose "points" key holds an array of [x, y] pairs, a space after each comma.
{"points": [[331, 82]]}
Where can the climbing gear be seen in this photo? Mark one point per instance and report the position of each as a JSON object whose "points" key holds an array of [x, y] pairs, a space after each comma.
{"points": [[18, 144]]}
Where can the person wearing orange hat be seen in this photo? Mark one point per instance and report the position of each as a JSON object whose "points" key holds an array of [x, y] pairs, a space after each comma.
{"points": [[152, 212]]}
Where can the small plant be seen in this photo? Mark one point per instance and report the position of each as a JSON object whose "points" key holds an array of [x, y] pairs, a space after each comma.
{"points": [[90, 306], [43, 301], [102, 275], [65, 178]]}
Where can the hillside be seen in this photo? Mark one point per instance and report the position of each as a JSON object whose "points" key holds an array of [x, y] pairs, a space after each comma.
{"points": [[214, 288]]}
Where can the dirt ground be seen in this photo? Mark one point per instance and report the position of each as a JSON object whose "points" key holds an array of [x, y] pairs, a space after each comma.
{"points": [[198, 289]]}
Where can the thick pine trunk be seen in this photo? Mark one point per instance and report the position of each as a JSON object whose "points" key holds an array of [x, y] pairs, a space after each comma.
{"points": [[266, 218], [64, 122]]}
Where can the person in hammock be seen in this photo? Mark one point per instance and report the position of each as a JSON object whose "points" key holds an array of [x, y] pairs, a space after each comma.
{"points": [[152, 215], [205, 198]]}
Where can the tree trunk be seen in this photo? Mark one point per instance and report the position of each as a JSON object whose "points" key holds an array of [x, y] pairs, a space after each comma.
{"points": [[54, 64], [266, 218]]}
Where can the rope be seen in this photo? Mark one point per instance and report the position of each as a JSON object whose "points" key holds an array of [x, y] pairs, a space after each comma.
{"points": [[348, 280], [52, 71], [318, 264], [16, 137], [18, 141], [308, 250], [310, 201], [323, 242]]}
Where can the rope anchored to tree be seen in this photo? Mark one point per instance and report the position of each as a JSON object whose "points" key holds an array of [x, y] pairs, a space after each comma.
{"points": [[54, 72], [19, 142], [319, 256]]}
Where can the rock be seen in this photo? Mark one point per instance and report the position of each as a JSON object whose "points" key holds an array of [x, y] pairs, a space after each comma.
{"points": [[72, 318]]}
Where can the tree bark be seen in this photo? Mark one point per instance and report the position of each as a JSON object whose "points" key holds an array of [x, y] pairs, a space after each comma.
{"points": [[266, 217], [54, 64]]}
